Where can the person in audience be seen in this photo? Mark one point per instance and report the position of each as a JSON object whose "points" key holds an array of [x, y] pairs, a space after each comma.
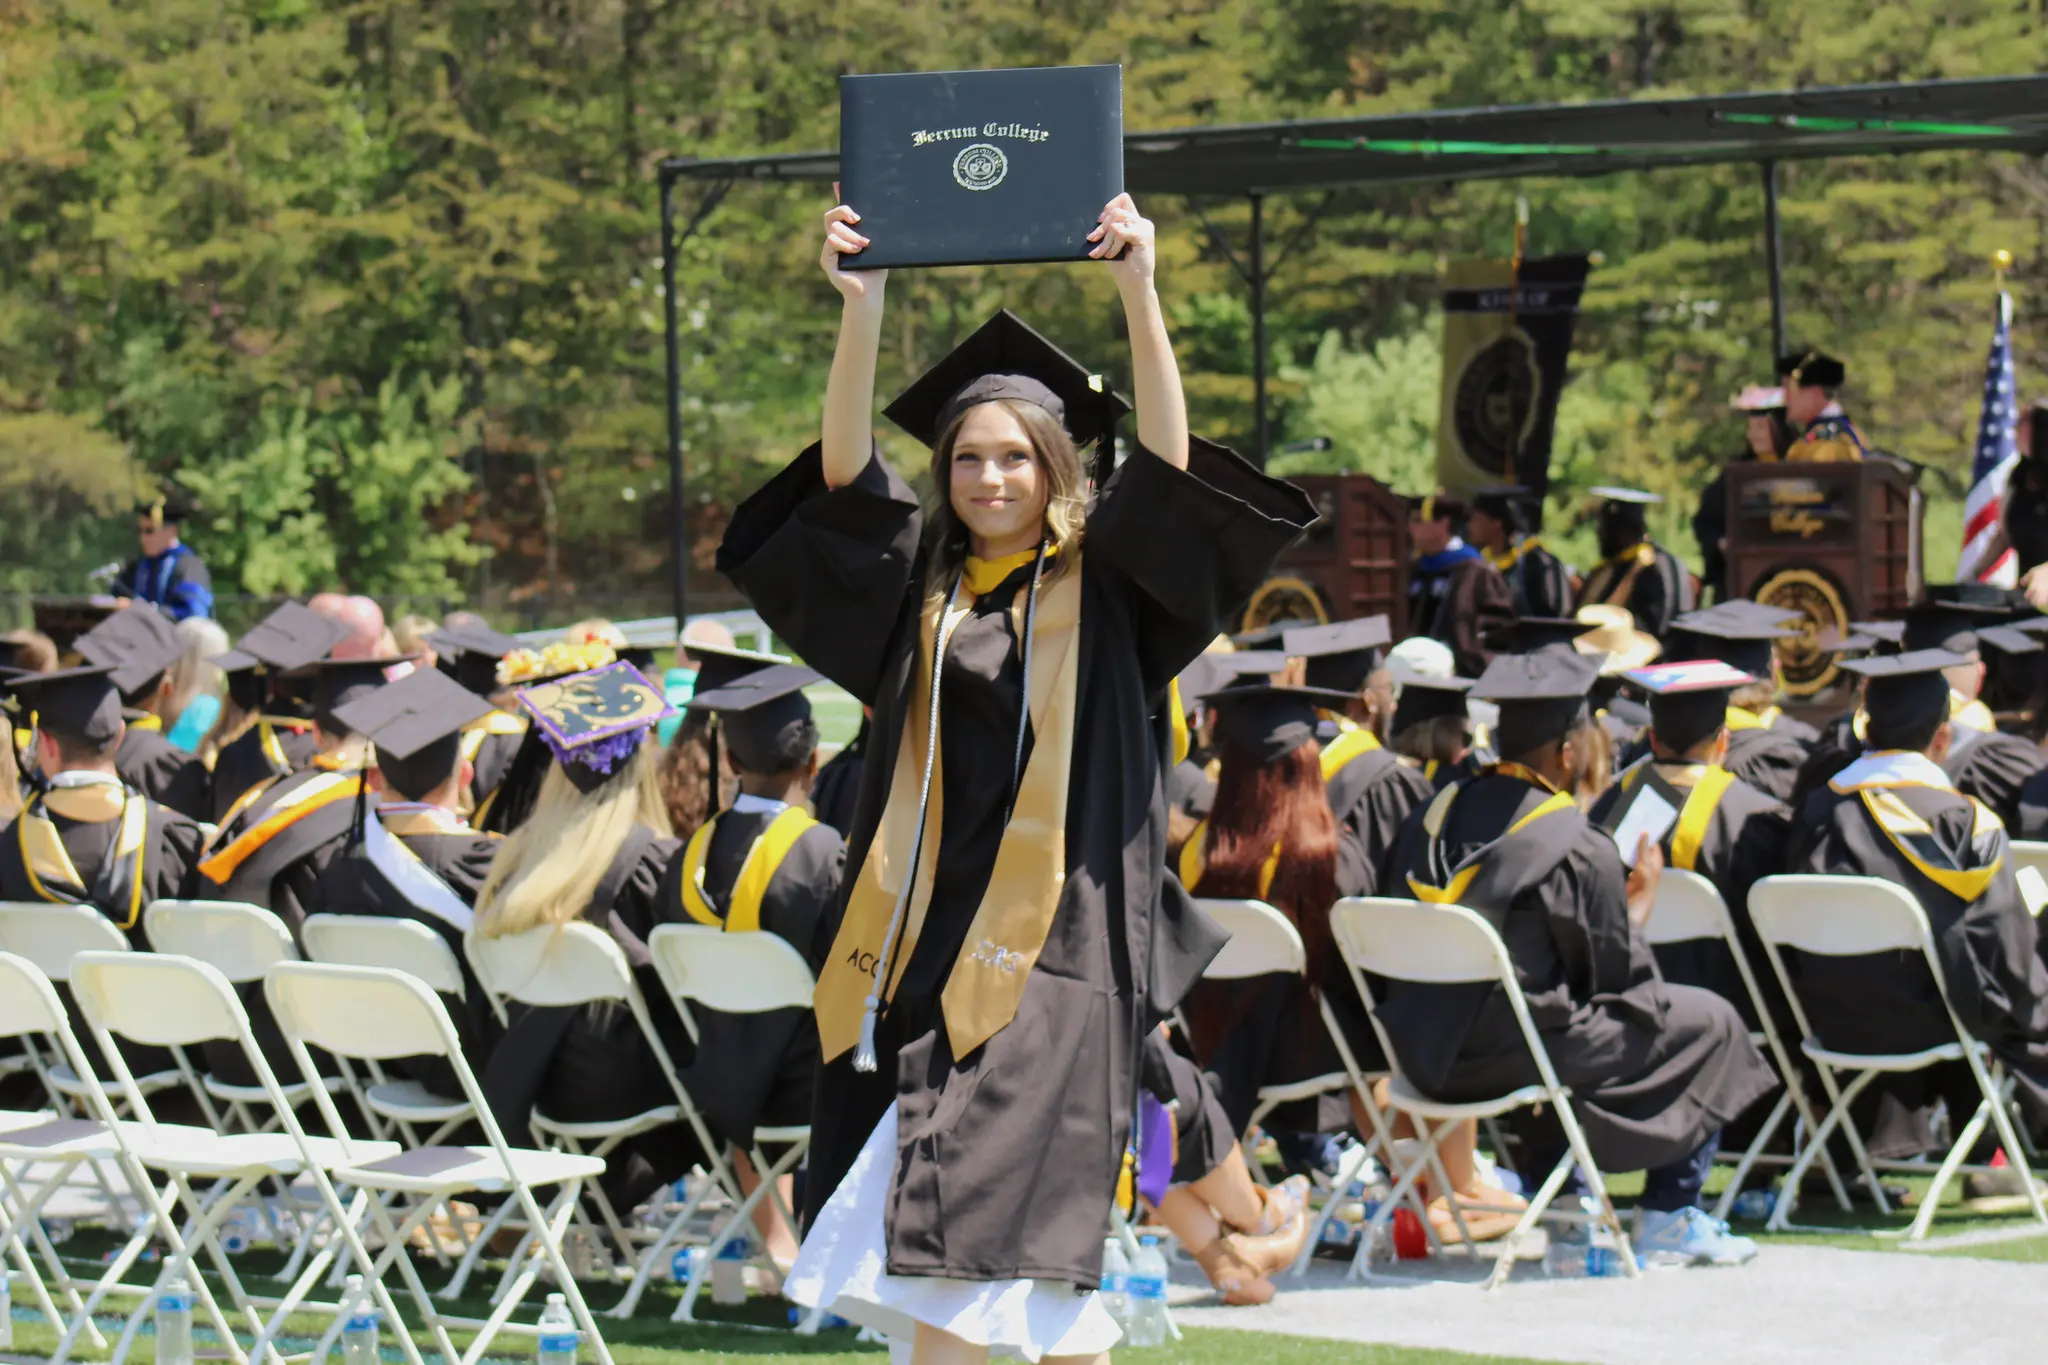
{"points": [[1635, 571], [1822, 431], [1539, 583], [1454, 595], [362, 622], [28, 651], [696, 777], [1766, 748], [1897, 813], [512, 801], [140, 645], [266, 728], [1432, 728], [412, 635], [196, 688], [594, 849], [470, 652], [763, 864], [169, 574], [1982, 760], [11, 793], [1655, 1070]]}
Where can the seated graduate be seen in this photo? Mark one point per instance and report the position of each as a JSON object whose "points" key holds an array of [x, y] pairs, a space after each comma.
{"points": [[1727, 831], [512, 800], [594, 848], [763, 865], [1191, 784], [1432, 728], [268, 718], [1371, 792], [88, 838], [1896, 813], [1655, 1070], [1766, 748], [469, 651], [140, 644]]}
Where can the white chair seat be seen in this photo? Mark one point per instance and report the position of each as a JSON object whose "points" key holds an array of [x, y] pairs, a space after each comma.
{"points": [[798, 1133], [15, 1061], [11, 1119], [599, 1130], [296, 1093], [1903, 1061], [55, 1138], [430, 1170], [1405, 1097], [201, 1152], [65, 1082], [1303, 1090], [411, 1102]]}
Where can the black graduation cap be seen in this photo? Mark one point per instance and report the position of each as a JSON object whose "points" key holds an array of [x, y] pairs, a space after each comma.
{"points": [[1951, 625], [337, 682], [1542, 697], [169, 507], [718, 667], [75, 703], [469, 653], [1005, 358], [1266, 723], [1689, 701], [1745, 640], [1259, 637], [2009, 640], [138, 644], [1534, 634], [761, 713], [1885, 637], [1248, 667], [1813, 368], [1341, 656], [416, 724], [1436, 505], [1198, 679], [1427, 699], [1902, 691], [1506, 503], [289, 638]]}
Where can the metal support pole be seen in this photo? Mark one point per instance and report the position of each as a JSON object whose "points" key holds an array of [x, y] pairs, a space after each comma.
{"points": [[1258, 281], [679, 540], [1774, 250]]}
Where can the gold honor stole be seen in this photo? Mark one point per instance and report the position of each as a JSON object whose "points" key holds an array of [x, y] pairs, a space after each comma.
{"points": [[1709, 783], [1629, 564], [1010, 926], [147, 722], [1512, 556], [1742, 718], [51, 873], [1460, 879], [764, 859], [322, 791], [1914, 838], [493, 723]]}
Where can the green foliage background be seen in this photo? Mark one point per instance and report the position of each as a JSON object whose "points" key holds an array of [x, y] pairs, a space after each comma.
{"points": [[379, 280]]}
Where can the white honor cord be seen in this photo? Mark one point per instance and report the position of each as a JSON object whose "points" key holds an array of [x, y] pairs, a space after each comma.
{"points": [[864, 1059]]}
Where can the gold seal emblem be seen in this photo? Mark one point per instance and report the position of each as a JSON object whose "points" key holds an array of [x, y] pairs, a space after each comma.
{"points": [[980, 166], [1823, 615], [1285, 598]]}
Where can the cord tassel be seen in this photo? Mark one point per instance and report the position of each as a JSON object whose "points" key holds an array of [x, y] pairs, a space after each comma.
{"points": [[864, 1054]]}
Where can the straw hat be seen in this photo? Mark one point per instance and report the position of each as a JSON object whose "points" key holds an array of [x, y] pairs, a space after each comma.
{"points": [[1612, 631]]}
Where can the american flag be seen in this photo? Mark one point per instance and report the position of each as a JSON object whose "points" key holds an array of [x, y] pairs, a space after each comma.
{"points": [[1985, 557]]}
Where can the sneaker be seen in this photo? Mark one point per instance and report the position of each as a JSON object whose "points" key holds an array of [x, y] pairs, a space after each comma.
{"points": [[1688, 1237]]}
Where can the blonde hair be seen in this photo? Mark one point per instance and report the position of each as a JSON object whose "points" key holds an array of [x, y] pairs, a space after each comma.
{"points": [[411, 632], [1066, 501], [547, 870]]}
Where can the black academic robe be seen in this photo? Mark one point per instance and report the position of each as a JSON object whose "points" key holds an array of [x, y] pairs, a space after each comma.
{"points": [[87, 824], [1190, 790], [164, 773], [1372, 797], [271, 747], [1440, 774], [2026, 506], [1734, 840], [1647, 579], [2033, 816], [1539, 583], [1035, 1120], [757, 1070], [1464, 602], [1767, 758], [1993, 767], [495, 749], [1654, 1069], [837, 785], [1989, 946]]}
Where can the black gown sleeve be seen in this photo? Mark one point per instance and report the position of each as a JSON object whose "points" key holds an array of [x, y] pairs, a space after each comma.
{"points": [[829, 569], [2032, 824], [1995, 770], [1192, 545]]}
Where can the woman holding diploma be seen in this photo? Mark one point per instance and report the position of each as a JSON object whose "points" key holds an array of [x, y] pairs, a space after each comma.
{"points": [[1008, 932]]}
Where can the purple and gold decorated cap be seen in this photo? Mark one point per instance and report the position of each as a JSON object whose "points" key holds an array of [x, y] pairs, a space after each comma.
{"points": [[596, 718]]}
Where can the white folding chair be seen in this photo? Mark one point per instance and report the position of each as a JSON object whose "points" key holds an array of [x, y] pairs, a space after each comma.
{"points": [[580, 964], [1830, 916], [241, 942], [164, 1000], [1689, 909], [1421, 944], [734, 973], [372, 1013]]}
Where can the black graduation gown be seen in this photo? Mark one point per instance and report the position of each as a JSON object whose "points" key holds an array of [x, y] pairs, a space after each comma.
{"points": [[462, 859], [1990, 947], [1539, 583], [1710, 528], [757, 1070], [244, 760], [1767, 759], [1372, 797], [1029, 1129], [837, 786], [493, 759], [2033, 816], [1993, 767], [1654, 1069], [164, 773], [1190, 790], [1660, 591], [1466, 605]]}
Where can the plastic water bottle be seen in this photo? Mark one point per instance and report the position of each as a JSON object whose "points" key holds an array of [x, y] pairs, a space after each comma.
{"points": [[729, 1273], [1116, 1277], [358, 1324], [1581, 1255], [174, 1323], [1754, 1206], [558, 1334], [1146, 1288]]}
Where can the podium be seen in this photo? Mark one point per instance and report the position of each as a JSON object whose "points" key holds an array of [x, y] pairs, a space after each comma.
{"points": [[1352, 562], [1834, 543]]}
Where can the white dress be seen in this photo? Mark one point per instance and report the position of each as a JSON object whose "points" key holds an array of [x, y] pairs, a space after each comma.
{"points": [[844, 1266]]}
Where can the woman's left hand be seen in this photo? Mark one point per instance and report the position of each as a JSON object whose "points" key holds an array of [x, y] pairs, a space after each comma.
{"points": [[1125, 239]]}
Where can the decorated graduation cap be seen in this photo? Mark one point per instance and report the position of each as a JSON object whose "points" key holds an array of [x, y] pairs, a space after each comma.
{"points": [[138, 644], [594, 722], [72, 703], [470, 652], [764, 715], [1426, 699], [1542, 697], [1744, 640], [1006, 359], [416, 724], [1689, 701], [1905, 691], [1813, 369], [1265, 722], [1342, 656], [337, 682], [1535, 634]]}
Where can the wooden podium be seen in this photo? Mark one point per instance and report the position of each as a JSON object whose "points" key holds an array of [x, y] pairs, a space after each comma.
{"points": [[1353, 562], [1833, 542]]}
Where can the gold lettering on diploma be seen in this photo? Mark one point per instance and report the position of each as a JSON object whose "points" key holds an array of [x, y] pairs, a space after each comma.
{"points": [[924, 137]]}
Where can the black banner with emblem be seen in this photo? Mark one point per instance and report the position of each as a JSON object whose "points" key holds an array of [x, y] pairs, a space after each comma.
{"points": [[1507, 340]]}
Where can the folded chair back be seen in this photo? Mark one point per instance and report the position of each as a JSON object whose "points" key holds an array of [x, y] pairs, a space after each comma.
{"points": [[51, 935], [28, 1002], [568, 964], [159, 999], [746, 973], [242, 941], [370, 1014], [374, 941], [1263, 941], [1838, 916], [1688, 908]]}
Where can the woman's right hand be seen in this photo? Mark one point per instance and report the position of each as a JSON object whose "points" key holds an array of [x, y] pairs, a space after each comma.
{"points": [[841, 239]]}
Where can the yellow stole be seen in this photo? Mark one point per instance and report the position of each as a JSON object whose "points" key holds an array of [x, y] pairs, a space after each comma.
{"points": [[1741, 718], [1439, 812], [1354, 742], [147, 722], [484, 726], [1009, 928], [324, 790], [1513, 554], [1913, 837], [1177, 719], [743, 904], [47, 862], [1627, 565]]}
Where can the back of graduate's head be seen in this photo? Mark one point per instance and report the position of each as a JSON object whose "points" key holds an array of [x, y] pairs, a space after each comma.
{"points": [[1691, 725], [1906, 700], [77, 717], [775, 746], [424, 771], [1546, 723]]}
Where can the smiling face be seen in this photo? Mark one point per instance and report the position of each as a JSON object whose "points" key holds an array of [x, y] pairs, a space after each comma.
{"points": [[996, 484]]}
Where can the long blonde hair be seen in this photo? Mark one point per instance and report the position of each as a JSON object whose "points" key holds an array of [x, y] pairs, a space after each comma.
{"points": [[549, 868], [1066, 502]]}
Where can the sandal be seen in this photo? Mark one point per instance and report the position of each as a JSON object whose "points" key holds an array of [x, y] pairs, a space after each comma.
{"points": [[1240, 1284], [1277, 1241]]}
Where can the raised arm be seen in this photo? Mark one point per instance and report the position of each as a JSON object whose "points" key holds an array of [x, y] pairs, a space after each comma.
{"points": [[1162, 410], [849, 435]]}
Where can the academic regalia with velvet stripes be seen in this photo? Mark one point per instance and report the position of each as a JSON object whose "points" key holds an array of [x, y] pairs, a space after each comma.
{"points": [[1028, 1129], [95, 867], [160, 770], [1647, 579], [1894, 816], [1440, 774], [1734, 836], [776, 871], [1653, 1069], [1993, 767], [273, 746]]}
